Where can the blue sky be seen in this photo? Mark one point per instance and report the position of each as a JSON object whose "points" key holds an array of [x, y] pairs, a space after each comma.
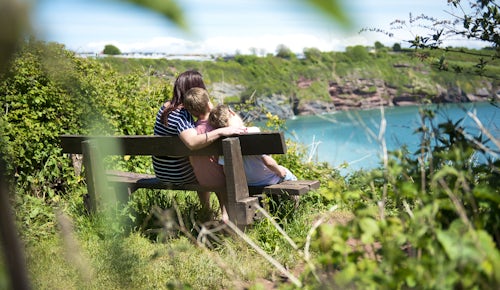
{"points": [[220, 26]]}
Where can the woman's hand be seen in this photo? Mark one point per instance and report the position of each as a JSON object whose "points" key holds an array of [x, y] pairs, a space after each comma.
{"points": [[229, 131], [194, 141]]}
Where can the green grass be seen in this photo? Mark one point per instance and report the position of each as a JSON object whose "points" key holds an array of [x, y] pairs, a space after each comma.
{"points": [[103, 253], [129, 262]]}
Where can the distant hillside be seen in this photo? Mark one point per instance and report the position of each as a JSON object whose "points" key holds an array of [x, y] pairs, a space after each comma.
{"points": [[323, 81]]}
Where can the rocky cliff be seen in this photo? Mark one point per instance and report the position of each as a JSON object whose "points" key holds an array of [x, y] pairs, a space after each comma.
{"points": [[354, 94]]}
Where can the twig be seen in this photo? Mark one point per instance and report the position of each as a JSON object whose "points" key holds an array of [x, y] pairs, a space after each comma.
{"points": [[72, 247], [290, 241], [483, 129], [228, 270], [312, 230], [463, 215], [275, 224], [264, 254], [381, 140], [456, 202], [314, 148], [307, 256], [408, 209]]}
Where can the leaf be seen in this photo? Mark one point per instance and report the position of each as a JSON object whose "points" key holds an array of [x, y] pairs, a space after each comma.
{"points": [[483, 192], [167, 8], [410, 280], [491, 260], [370, 228], [462, 245], [449, 244], [333, 9], [445, 171]]}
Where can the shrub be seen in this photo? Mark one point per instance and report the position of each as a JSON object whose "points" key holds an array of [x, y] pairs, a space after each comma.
{"points": [[48, 92], [428, 221], [111, 50]]}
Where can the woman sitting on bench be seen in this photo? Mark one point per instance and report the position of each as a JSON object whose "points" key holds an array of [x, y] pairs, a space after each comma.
{"points": [[174, 120]]}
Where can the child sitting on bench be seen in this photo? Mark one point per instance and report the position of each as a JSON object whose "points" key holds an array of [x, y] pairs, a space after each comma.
{"points": [[260, 170], [207, 170]]}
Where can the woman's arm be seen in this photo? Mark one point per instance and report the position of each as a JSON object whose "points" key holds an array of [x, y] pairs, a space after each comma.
{"points": [[273, 166], [194, 141]]}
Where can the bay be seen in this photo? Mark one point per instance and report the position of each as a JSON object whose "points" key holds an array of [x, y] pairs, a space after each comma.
{"points": [[353, 140]]}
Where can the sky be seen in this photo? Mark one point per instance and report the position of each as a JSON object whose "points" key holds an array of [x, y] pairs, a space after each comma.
{"points": [[224, 26]]}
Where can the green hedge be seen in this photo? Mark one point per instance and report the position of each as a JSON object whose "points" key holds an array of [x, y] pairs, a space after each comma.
{"points": [[49, 91]]}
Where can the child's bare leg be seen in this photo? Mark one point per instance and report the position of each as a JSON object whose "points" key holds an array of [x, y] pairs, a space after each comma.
{"points": [[221, 196]]}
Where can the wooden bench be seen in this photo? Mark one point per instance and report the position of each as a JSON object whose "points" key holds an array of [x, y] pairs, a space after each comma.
{"points": [[241, 198]]}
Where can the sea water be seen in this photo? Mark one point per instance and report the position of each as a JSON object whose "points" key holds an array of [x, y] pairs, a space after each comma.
{"points": [[353, 140]]}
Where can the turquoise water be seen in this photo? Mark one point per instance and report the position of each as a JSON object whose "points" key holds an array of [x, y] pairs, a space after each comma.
{"points": [[353, 138]]}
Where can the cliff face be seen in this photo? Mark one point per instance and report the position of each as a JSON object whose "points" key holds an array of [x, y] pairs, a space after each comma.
{"points": [[367, 94], [358, 94]]}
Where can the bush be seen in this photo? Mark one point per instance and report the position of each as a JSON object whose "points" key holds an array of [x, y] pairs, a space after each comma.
{"points": [[428, 221], [357, 53], [111, 50], [48, 92]]}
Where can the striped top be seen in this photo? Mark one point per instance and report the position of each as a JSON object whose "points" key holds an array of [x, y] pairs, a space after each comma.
{"points": [[176, 170]]}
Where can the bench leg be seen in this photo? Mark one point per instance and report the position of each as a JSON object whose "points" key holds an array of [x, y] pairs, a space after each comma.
{"points": [[95, 175], [240, 206], [90, 162]]}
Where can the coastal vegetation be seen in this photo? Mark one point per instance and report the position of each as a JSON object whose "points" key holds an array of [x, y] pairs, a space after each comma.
{"points": [[429, 216], [423, 220], [272, 74]]}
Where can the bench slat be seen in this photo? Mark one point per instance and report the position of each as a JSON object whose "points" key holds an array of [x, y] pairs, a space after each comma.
{"points": [[251, 144], [297, 187], [139, 180]]}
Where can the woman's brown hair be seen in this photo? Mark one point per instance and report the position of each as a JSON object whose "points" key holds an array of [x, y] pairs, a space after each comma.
{"points": [[185, 81]]}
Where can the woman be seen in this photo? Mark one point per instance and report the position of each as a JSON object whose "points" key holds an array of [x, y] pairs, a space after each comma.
{"points": [[174, 120]]}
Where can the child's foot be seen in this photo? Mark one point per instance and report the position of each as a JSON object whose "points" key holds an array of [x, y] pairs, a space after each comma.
{"points": [[225, 216]]}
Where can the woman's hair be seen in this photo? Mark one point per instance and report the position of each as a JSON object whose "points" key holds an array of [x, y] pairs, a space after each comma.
{"points": [[219, 116], [185, 81], [196, 101]]}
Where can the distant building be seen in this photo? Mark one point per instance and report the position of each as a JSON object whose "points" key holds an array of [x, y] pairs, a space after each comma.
{"points": [[152, 55]]}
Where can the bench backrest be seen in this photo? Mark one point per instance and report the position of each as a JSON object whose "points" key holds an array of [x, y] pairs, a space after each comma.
{"points": [[251, 144]]}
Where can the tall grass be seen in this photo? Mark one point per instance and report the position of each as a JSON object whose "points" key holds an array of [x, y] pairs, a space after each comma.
{"points": [[97, 252]]}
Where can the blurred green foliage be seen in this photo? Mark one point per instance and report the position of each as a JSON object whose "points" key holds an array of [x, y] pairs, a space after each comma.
{"points": [[48, 91], [428, 215]]}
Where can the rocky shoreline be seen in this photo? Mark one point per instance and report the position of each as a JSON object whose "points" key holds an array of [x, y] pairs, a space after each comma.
{"points": [[352, 95]]}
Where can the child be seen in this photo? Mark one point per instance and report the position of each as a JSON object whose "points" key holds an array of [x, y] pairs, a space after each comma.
{"points": [[260, 170], [207, 170]]}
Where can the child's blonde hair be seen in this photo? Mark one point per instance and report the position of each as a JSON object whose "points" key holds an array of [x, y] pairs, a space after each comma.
{"points": [[219, 116], [196, 101]]}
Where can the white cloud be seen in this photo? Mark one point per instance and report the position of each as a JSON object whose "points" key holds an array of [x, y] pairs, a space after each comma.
{"points": [[230, 45], [226, 26]]}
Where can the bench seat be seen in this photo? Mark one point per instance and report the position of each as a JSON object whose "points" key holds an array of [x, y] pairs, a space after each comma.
{"points": [[134, 181]]}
